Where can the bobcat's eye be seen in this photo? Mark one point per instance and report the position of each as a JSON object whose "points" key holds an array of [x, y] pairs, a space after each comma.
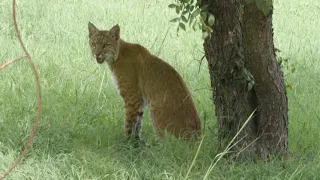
{"points": [[93, 45]]}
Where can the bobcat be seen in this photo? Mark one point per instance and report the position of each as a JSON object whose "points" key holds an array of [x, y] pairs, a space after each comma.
{"points": [[144, 79]]}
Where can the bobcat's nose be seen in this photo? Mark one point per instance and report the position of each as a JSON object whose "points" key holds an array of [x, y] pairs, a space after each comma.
{"points": [[100, 58]]}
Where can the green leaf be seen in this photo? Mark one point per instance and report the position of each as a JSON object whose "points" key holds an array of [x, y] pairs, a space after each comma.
{"points": [[211, 20], [194, 25], [250, 85], [209, 29], [204, 7], [238, 64], [276, 50], [175, 20], [260, 3], [178, 9], [203, 27], [196, 13], [205, 34], [187, 7], [172, 6], [184, 12], [190, 19], [184, 19], [266, 10], [204, 16], [182, 26], [191, 8]]}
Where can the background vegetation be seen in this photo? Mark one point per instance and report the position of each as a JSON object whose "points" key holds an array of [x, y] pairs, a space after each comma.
{"points": [[81, 136]]}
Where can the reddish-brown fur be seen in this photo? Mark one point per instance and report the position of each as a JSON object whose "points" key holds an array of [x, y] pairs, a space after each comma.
{"points": [[144, 79]]}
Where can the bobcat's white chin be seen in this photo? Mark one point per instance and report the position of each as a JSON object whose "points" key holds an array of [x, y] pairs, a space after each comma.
{"points": [[109, 58]]}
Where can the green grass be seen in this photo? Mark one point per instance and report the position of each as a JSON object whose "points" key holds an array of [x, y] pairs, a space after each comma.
{"points": [[80, 134]]}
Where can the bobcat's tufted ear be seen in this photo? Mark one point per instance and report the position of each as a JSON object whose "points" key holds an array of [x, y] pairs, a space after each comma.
{"points": [[92, 29], [115, 31]]}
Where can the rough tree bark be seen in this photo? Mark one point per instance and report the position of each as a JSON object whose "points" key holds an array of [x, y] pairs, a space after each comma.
{"points": [[260, 60], [241, 52]]}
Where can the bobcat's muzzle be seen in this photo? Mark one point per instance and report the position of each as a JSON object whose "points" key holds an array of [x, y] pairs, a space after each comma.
{"points": [[109, 58]]}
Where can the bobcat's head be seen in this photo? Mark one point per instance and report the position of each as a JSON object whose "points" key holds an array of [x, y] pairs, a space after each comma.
{"points": [[104, 44]]}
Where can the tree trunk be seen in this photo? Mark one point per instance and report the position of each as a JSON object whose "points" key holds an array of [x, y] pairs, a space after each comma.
{"points": [[260, 60], [244, 76]]}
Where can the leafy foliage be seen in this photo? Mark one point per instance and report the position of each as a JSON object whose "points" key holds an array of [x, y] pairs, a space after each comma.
{"points": [[286, 65], [243, 75], [191, 13], [264, 5], [195, 15]]}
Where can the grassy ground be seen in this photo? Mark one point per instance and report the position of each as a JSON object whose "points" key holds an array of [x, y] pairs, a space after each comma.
{"points": [[80, 134]]}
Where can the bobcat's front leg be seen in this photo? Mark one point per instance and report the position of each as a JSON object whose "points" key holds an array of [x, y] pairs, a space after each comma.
{"points": [[138, 126], [133, 116]]}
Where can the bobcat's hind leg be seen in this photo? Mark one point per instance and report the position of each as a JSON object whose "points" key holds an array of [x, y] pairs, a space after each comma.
{"points": [[133, 117]]}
